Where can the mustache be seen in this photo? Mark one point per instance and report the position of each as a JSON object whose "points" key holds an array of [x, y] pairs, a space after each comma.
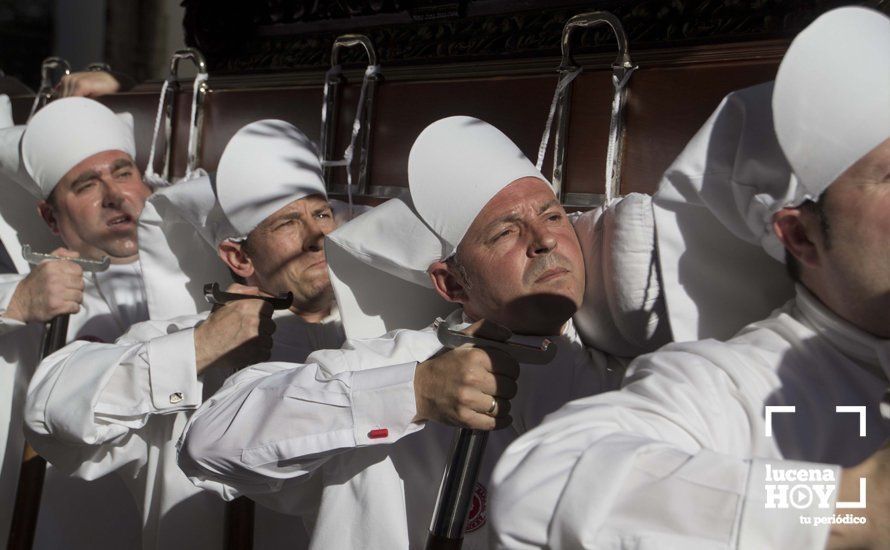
{"points": [[543, 263], [125, 208]]}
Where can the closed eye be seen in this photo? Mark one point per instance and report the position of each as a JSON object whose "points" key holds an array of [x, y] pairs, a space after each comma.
{"points": [[501, 235], [84, 186]]}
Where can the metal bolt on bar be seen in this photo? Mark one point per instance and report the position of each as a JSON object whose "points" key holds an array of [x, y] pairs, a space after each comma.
{"points": [[364, 111], [622, 69]]}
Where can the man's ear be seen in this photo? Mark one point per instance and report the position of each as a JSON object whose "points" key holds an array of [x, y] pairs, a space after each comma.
{"points": [[232, 254], [48, 213], [447, 284], [798, 231]]}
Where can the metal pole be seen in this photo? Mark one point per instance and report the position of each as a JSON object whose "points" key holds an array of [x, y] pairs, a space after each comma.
{"points": [[462, 469], [33, 470], [240, 512]]}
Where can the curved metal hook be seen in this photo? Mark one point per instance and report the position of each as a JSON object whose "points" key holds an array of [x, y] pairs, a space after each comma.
{"points": [[197, 116], [49, 64], [622, 69], [363, 113], [589, 20], [350, 41], [45, 92], [190, 54]]}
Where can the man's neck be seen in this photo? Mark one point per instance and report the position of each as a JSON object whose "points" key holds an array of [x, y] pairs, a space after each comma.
{"points": [[869, 315], [311, 316]]}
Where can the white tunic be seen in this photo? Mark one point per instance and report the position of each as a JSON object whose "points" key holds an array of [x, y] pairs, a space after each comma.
{"points": [[99, 408], [111, 300], [307, 439], [678, 458]]}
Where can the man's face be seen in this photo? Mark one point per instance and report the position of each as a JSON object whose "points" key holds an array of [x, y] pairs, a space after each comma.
{"points": [[95, 206], [856, 261], [520, 262], [287, 252]]}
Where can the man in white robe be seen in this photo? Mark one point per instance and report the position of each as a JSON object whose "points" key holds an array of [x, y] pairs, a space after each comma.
{"points": [[356, 440], [770, 439], [98, 408], [89, 193]]}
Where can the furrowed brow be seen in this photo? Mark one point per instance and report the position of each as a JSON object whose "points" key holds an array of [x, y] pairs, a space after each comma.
{"points": [[548, 205], [273, 224], [85, 177], [121, 163], [509, 218]]}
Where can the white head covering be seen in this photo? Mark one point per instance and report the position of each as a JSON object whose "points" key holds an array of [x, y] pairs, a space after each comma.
{"points": [[713, 212], [177, 248], [67, 131], [832, 96], [269, 164], [456, 165], [19, 222], [714, 208], [377, 263], [265, 166], [10, 148]]}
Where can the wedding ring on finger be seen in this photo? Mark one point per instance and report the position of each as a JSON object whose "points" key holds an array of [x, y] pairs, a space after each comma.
{"points": [[493, 410]]}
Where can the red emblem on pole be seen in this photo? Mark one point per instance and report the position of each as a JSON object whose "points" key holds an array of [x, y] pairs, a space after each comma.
{"points": [[477, 515]]}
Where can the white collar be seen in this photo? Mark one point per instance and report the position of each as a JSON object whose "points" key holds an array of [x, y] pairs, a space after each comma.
{"points": [[332, 317], [871, 352]]}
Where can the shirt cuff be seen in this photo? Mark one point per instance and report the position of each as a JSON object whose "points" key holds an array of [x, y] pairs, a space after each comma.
{"points": [[173, 375], [383, 405], [7, 323], [783, 513]]}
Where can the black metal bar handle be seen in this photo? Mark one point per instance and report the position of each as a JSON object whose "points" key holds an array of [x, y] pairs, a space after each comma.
{"points": [[465, 459], [30, 486], [217, 297], [456, 491]]}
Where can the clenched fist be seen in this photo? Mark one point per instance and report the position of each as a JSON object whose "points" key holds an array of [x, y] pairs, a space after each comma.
{"points": [[467, 386], [236, 334], [53, 288]]}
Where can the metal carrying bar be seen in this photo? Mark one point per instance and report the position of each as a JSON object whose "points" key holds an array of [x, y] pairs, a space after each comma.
{"points": [[26, 508], [468, 449], [361, 127], [214, 295]]}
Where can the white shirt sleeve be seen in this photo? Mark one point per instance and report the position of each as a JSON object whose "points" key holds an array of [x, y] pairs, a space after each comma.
{"points": [[664, 463], [89, 395], [8, 284], [276, 422]]}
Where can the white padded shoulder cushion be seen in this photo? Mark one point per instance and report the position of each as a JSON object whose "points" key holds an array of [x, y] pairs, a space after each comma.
{"points": [[20, 223], [623, 311]]}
